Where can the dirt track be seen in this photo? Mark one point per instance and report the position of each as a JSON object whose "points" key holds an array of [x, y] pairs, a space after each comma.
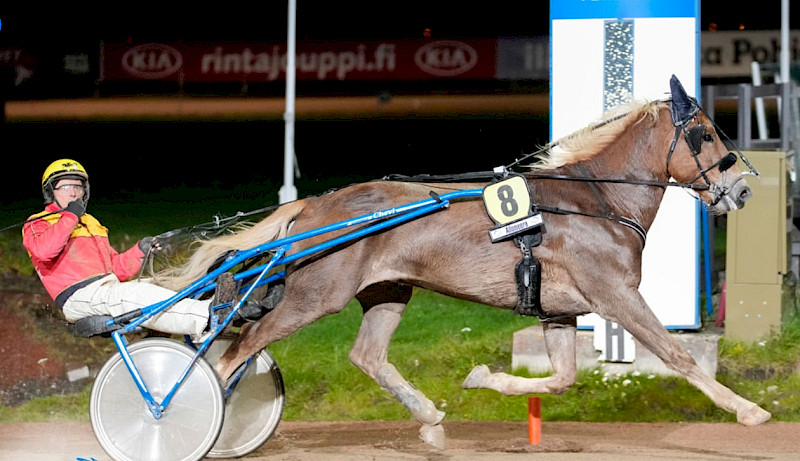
{"points": [[34, 364], [301, 441]]}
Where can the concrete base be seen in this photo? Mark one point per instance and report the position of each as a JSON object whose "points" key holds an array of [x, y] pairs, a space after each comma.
{"points": [[529, 352]]}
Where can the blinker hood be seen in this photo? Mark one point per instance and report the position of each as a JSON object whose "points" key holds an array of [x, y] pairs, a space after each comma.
{"points": [[683, 107]]}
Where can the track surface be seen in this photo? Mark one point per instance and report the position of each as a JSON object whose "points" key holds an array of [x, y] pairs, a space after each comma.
{"points": [[32, 367], [381, 440]]}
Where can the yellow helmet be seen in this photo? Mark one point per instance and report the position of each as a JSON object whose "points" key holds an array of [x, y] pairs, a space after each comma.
{"points": [[63, 168]]}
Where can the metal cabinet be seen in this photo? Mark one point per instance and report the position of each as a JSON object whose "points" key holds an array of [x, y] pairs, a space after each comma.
{"points": [[757, 252]]}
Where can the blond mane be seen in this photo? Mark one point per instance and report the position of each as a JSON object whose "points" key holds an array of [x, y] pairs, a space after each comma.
{"points": [[594, 138]]}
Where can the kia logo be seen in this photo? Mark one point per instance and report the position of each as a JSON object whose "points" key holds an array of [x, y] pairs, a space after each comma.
{"points": [[152, 61], [446, 58]]}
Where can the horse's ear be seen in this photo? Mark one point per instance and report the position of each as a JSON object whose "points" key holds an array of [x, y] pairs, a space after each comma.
{"points": [[683, 107]]}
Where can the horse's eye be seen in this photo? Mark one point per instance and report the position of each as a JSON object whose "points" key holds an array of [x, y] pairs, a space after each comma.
{"points": [[708, 138]]}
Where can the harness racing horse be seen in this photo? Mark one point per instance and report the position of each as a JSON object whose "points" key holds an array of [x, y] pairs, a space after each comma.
{"points": [[600, 189]]}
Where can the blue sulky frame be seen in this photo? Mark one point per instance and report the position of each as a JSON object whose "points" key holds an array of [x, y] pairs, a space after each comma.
{"points": [[374, 222]]}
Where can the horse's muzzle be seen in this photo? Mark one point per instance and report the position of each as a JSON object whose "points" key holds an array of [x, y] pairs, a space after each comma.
{"points": [[732, 197]]}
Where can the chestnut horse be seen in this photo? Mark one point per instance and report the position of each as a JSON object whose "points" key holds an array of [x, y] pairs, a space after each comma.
{"points": [[619, 169]]}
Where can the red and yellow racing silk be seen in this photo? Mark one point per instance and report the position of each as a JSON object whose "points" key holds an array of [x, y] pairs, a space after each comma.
{"points": [[66, 250]]}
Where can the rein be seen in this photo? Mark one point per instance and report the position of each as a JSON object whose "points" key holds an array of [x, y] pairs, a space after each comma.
{"points": [[203, 231], [636, 182], [33, 219], [693, 138]]}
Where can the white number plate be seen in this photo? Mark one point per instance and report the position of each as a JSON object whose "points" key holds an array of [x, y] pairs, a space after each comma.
{"points": [[508, 200]]}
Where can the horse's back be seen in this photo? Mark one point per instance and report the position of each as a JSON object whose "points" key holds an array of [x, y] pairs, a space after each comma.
{"points": [[369, 197], [448, 250]]}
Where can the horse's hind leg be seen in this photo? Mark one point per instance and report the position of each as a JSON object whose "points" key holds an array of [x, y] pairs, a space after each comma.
{"points": [[559, 337], [300, 306], [383, 306], [640, 321]]}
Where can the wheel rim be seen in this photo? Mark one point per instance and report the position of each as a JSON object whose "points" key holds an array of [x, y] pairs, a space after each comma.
{"points": [[254, 409], [127, 430]]}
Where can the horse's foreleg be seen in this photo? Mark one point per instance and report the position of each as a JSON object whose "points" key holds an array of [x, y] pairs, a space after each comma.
{"points": [[560, 342], [640, 321], [369, 354]]}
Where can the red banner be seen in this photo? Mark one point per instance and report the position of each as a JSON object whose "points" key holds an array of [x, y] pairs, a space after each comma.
{"points": [[265, 62]]}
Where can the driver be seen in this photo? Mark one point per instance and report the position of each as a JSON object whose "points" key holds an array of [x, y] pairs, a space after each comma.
{"points": [[85, 276]]}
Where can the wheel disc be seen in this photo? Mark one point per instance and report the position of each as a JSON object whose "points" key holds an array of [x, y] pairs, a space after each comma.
{"points": [[125, 427], [254, 409]]}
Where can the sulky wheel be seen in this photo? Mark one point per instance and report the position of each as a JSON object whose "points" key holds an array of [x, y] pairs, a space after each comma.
{"points": [[125, 427], [254, 408]]}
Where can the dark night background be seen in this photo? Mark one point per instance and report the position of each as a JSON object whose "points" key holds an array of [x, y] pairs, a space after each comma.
{"points": [[354, 19], [149, 156]]}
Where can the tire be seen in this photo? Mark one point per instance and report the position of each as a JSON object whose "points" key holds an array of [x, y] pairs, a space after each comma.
{"points": [[125, 427], [254, 408]]}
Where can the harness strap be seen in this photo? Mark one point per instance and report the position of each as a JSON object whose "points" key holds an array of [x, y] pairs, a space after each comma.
{"points": [[488, 175], [607, 213], [635, 182], [628, 222], [458, 177], [596, 192], [724, 163], [672, 148], [528, 274], [633, 225]]}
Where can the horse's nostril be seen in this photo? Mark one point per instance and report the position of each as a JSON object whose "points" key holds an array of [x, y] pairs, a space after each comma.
{"points": [[745, 194]]}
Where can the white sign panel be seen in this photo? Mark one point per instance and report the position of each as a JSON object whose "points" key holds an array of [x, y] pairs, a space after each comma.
{"points": [[652, 41]]}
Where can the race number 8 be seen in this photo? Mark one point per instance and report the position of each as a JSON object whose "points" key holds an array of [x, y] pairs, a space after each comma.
{"points": [[508, 205], [508, 200]]}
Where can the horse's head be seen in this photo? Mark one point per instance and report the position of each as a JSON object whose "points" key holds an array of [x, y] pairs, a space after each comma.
{"points": [[699, 157]]}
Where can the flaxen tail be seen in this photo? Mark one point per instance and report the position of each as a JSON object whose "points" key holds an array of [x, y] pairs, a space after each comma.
{"points": [[273, 227]]}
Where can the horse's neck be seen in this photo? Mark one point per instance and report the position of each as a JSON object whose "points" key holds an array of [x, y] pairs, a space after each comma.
{"points": [[638, 157]]}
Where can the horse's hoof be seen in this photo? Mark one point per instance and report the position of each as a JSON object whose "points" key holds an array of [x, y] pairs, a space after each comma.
{"points": [[475, 378], [753, 416], [431, 418], [433, 436]]}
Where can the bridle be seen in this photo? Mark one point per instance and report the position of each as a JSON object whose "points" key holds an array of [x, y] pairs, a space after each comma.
{"points": [[683, 113], [694, 138]]}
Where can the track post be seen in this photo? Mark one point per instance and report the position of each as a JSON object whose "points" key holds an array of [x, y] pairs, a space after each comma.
{"points": [[534, 420], [288, 192]]}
